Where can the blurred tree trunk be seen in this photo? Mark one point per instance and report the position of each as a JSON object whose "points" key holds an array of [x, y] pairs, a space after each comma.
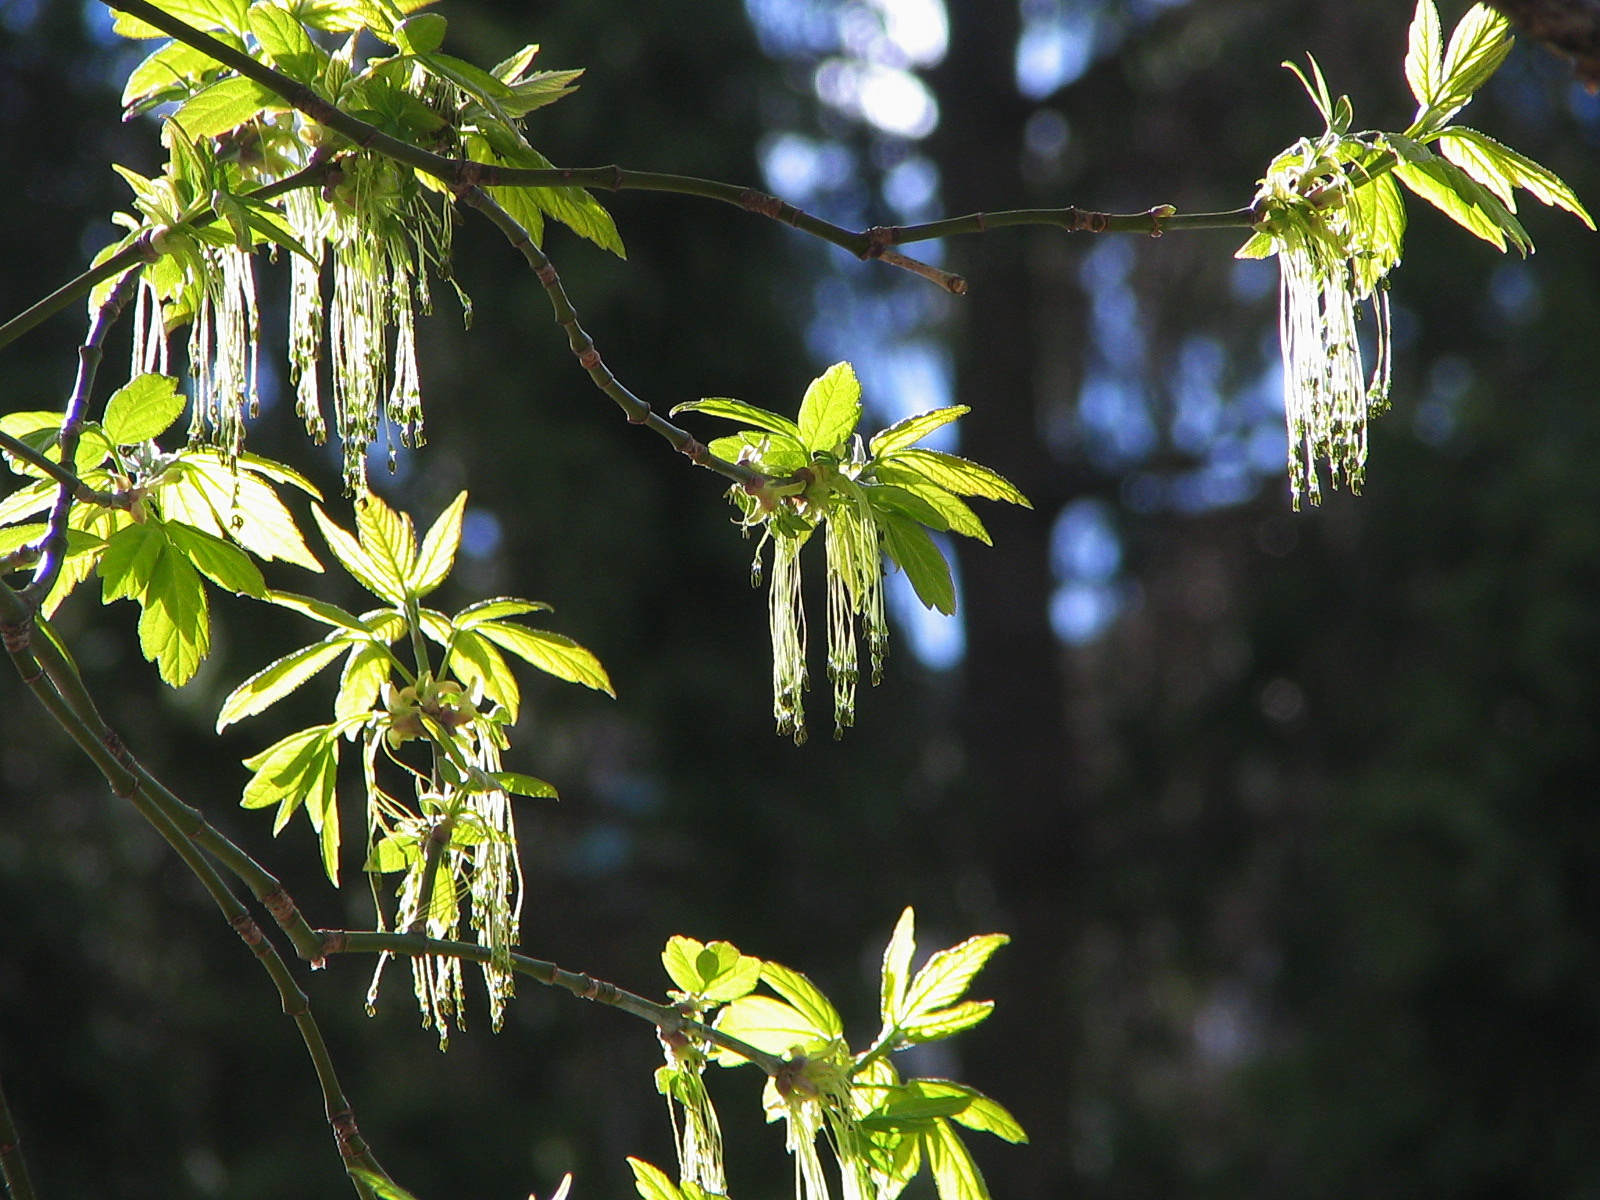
{"points": [[1021, 808]]}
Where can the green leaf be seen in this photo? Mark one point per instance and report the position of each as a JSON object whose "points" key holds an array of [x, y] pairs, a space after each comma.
{"points": [[913, 429], [494, 610], [395, 852], [769, 1025], [26, 501], [508, 70], [389, 538], [128, 561], [167, 73], [954, 512], [438, 553], [524, 785], [202, 490], [477, 663], [966, 1106], [1478, 45], [301, 768], [202, 14], [914, 552], [1378, 221], [715, 972], [1500, 168], [286, 43], [376, 577], [275, 681], [959, 475], [142, 409], [738, 410], [804, 995], [422, 34], [317, 610], [1465, 201], [652, 1183], [225, 105], [942, 1023], [885, 497], [831, 409], [550, 652], [361, 679], [1423, 50], [955, 1174], [1260, 244], [225, 565], [948, 974], [175, 624], [573, 207], [897, 969]]}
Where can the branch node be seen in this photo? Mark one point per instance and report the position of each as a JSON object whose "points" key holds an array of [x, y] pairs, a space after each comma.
{"points": [[1158, 214], [547, 274], [334, 942], [642, 417], [589, 359], [693, 450], [16, 637], [759, 202], [249, 932]]}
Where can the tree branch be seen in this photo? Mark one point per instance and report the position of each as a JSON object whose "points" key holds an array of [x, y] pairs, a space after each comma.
{"points": [[108, 753], [586, 987], [462, 174]]}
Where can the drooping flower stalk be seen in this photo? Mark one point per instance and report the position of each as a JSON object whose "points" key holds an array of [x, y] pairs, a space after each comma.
{"points": [[786, 616]]}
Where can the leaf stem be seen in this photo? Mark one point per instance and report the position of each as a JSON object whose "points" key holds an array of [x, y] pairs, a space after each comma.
{"points": [[586, 987]]}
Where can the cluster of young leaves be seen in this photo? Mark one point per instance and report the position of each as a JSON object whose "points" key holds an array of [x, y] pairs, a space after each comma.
{"points": [[453, 838], [880, 1127], [884, 496], [177, 518], [1332, 212]]}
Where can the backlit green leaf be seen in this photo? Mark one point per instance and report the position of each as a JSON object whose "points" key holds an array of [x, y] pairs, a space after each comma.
{"points": [[225, 105], [831, 409], [913, 429], [550, 652], [475, 662], [1500, 168], [948, 974], [203, 490], [361, 679], [225, 565], [494, 610], [389, 538], [1424, 47], [1465, 201], [955, 1174], [524, 785], [129, 560], [651, 1183], [909, 545], [317, 610], [175, 624], [769, 1025], [738, 410], [378, 579], [805, 996], [203, 14], [897, 968], [1378, 221], [438, 553], [422, 34], [959, 475], [942, 1023], [275, 681], [285, 41], [955, 513], [143, 408]]}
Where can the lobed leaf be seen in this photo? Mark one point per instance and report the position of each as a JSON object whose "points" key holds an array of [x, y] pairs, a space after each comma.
{"points": [[203, 490], [948, 974], [954, 1173], [286, 43], [366, 669], [175, 621], [371, 574], [896, 973], [914, 552], [766, 1024], [439, 546], [942, 1023], [225, 565], [1424, 48], [1500, 169], [652, 1183]]}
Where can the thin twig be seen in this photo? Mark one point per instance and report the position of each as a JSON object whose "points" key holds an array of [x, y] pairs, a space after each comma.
{"points": [[586, 987], [12, 1166], [20, 449], [53, 547], [637, 411]]}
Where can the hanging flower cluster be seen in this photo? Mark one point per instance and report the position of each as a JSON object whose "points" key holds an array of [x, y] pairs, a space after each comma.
{"points": [[881, 498]]}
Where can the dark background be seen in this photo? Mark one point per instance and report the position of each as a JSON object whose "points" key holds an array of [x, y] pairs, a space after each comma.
{"points": [[1299, 850]]}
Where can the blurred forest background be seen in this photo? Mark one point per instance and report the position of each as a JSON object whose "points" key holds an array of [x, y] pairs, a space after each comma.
{"points": [[1294, 818]]}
